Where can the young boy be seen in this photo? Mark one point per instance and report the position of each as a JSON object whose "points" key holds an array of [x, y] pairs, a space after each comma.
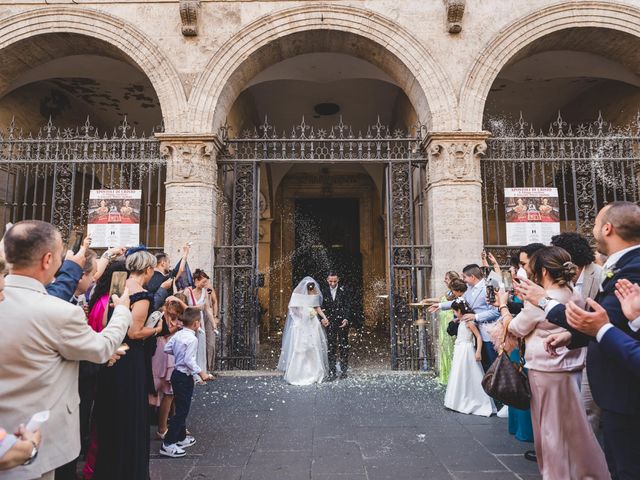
{"points": [[184, 347]]}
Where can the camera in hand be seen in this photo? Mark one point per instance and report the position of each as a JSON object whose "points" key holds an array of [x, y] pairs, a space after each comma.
{"points": [[78, 242], [492, 288]]}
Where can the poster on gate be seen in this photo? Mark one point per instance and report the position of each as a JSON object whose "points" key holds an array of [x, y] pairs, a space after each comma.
{"points": [[532, 215], [114, 218]]}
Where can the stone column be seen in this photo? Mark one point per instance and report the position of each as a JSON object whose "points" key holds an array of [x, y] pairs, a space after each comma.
{"points": [[454, 201], [191, 196]]}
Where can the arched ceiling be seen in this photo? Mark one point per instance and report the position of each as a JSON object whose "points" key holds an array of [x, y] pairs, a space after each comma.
{"points": [[321, 67], [289, 90], [579, 71], [68, 77]]}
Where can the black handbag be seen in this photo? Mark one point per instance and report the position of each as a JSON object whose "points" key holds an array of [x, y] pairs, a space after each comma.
{"points": [[506, 381]]}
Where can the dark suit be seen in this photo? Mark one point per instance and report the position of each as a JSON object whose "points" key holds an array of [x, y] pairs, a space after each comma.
{"points": [[615, 388], [337, 338], [625, 350]]}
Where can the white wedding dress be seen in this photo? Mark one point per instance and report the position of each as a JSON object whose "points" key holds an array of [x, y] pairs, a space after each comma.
{"points": [[303, 357], [464, 390]]}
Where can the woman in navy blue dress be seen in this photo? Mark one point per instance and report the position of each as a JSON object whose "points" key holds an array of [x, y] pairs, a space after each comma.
{"points": [[122, 402]]}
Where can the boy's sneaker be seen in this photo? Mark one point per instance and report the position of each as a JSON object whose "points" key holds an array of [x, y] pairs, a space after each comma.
{"points": [[187, 442], [172, 450]]}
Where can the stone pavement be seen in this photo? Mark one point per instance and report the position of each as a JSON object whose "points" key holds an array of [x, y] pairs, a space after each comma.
{"points": [[367, 427]]}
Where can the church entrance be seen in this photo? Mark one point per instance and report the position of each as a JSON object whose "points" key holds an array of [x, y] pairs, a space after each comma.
{"points": [[310, 125], [311, 202], [327, 239]]}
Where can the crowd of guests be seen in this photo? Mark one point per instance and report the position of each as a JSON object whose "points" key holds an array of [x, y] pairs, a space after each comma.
{"points": [[101, 365], [574, 315], [97, 362]]}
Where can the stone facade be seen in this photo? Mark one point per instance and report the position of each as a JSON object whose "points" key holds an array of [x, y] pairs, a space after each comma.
{"points": [[199, 56]]}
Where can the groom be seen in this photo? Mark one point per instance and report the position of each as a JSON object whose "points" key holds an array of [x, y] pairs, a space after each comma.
{"points": [[335, 304]]}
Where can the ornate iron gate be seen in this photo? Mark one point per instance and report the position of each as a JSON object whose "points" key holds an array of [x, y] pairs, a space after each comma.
{"points": [[49, 176], [590, 165], [236, 265]]}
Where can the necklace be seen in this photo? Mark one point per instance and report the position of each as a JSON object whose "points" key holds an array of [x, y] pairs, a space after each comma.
{"points": [[135, 278]]}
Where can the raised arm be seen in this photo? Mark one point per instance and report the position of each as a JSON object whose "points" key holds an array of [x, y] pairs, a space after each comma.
{"points": [[77, 341], [494, 263], [183, 261]]}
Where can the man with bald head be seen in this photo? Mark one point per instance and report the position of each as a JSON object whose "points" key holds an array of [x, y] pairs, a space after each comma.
{"points": [[614, 384], [43, 338]]}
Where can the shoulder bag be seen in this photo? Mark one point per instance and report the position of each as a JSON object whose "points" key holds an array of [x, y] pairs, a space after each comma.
{"points": [[506, 381]]}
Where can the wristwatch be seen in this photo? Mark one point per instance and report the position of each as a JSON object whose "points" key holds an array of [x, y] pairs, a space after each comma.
{"points": [[543, 302], [34, 454]]}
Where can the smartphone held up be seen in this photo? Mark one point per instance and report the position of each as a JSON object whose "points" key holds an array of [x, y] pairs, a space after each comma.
{"points": [[118, 283]]}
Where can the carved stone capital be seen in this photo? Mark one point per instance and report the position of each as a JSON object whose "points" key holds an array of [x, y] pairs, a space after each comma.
{"points": [[189, 16], [455, 12], [455, 156], [190, 159]]}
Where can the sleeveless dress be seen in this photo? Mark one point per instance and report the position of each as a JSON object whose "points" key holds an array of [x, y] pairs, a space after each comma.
{"points": [[445, 344], [121, 413], [464, 390]]}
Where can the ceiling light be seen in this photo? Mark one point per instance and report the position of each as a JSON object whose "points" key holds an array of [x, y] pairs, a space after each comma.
{"points": [[326, 109]]}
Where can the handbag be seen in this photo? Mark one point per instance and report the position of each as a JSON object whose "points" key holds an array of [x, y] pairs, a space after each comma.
{"points": [[506, 381]]}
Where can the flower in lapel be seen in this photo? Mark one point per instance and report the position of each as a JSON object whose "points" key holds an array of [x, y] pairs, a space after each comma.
{"points": [[611, 272], [608, 274]]}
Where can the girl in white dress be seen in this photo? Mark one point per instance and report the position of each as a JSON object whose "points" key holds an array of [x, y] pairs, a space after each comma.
{"points": [[303, 358], [464, 390]]}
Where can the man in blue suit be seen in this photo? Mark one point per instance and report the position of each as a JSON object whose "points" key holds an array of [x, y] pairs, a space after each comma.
{"points": [[596, 323], [614, 385]]}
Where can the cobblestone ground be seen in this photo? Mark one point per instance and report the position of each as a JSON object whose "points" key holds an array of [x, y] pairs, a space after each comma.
{"points": [[367, 427]]}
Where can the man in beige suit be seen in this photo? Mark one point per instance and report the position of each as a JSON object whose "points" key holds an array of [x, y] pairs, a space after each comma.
{"points": [[587, 283], [42, 338]]}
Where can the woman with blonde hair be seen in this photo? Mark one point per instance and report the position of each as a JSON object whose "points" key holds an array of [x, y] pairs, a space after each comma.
{"points": [[566, 447]]}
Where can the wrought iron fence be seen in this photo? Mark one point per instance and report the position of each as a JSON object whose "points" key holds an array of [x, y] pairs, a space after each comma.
{"points": [[49, 176], [338, 143], [590, 164]]}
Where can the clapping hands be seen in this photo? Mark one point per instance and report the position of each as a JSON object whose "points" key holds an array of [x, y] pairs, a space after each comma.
{"points": [[629, 295]]}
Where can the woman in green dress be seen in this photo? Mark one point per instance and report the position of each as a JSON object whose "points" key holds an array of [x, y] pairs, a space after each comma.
{"points": [[445, 342]]}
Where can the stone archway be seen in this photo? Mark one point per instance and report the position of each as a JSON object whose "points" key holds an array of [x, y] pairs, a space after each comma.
{"points": [[332, 28], [525, 31], [114, 32]]}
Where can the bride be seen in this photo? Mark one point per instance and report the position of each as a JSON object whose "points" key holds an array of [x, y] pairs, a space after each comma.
{"points": [[303, 358]]}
